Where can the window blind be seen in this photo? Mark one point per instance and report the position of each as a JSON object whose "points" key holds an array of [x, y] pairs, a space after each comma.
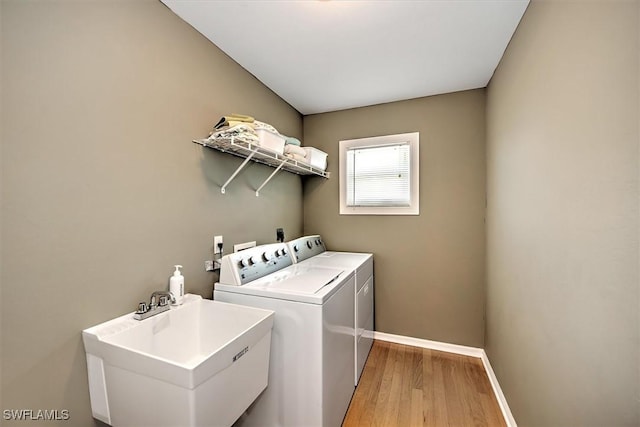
{"points": [[379, 176]]}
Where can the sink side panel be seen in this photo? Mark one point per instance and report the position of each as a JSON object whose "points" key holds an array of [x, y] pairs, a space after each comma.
{"points": [[218, 401]]}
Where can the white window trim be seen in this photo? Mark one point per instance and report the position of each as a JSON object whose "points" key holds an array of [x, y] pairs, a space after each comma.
{"points": [[413, 139]]}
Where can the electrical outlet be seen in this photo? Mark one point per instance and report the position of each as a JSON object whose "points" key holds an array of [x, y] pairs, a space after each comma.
{"points": [[280, 234], [217, 245]]}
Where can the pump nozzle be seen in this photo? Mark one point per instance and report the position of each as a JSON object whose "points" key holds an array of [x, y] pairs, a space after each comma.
{"points": [[177, 272]]}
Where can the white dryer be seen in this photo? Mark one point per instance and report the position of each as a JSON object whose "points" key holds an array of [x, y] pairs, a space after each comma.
{"points": [[311, 251], [312, 351]]}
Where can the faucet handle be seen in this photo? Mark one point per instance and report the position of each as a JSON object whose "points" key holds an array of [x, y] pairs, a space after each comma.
{"points": [[162, 301], [142, 308]]}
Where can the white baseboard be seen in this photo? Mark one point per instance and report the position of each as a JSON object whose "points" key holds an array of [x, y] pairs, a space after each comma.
{"points": [[433, 345], [502, 401], [462, 350]]}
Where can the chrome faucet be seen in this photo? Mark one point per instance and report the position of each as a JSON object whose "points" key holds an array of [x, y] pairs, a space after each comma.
{"points": [[158, 303], [163, 298]]}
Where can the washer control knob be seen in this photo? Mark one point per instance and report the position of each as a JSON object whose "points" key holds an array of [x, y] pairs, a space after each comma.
{"points": [[266, 256], [284, 251], [295, 248], [243, 263], [253, 260], [309, 245]]}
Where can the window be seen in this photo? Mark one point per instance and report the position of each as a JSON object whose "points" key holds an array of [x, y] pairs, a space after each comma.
{"points": [[379, 175]]}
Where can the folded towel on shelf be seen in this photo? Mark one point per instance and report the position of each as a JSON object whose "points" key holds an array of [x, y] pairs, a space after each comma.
{"points": [[239, 128], [232, 123], [294, 149], [233, 119], [247, 129], [242, 131], [242, 118], [292, 141], [296, 157]]}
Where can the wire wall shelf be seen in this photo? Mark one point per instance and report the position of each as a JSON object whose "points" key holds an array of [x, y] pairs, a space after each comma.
{"points": [[253, 152]]}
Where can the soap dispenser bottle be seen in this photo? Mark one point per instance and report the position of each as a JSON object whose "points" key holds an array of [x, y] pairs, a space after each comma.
{"points": [[176, 285]]}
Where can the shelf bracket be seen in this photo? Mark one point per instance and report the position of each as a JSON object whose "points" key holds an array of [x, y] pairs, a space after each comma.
{"points": [[246, 160], [271, 176]]}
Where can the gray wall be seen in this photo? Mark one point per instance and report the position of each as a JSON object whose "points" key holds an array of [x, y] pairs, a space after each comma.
{"points": [[562, 217], [102, 193], [429, 269], [102, 190]]}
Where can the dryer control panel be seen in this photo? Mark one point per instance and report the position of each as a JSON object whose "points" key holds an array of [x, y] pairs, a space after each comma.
{"points": [[306, 247], [240, 268]]}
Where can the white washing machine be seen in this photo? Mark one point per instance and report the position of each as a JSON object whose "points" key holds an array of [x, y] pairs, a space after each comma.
{"points": [[311, 251], [312, 353]]}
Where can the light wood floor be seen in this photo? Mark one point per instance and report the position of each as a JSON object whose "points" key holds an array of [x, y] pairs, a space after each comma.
{"points": [[410, 386]]}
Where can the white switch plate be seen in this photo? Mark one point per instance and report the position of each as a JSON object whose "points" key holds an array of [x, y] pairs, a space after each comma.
{"points": [[242, 246]]}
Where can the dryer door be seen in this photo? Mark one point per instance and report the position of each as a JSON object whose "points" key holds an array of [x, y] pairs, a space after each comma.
{"points": [[338, 353], [364, 329]]}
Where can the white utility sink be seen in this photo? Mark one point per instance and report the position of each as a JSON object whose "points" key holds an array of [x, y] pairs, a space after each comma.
{"points": [[200, 364]]}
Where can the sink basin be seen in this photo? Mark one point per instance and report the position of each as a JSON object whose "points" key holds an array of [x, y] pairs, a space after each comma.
{"points": [[200, 364]]}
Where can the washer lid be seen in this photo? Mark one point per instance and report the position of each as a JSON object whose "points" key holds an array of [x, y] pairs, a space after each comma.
{"points": [[342, 260], [305, 284], [308, 284]]}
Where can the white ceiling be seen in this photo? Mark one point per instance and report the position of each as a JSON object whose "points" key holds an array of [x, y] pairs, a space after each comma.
{"points": [[331, 55]]}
